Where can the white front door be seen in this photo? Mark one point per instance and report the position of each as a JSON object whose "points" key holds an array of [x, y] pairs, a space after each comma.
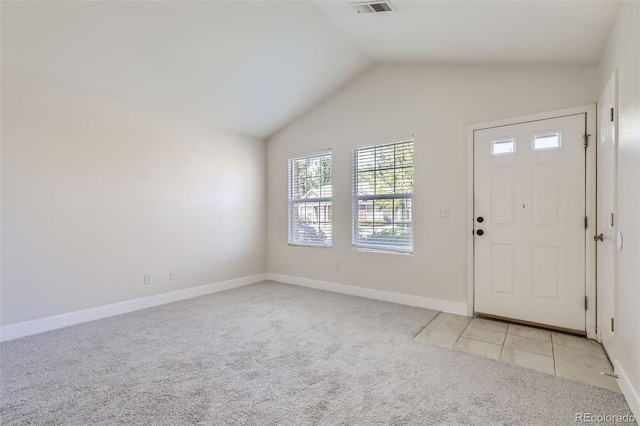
{"points": [[529, 212], [606, 248]]}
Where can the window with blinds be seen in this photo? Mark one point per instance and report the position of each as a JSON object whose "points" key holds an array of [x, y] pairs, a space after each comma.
{"points": [[310, 206], [383, 198]]}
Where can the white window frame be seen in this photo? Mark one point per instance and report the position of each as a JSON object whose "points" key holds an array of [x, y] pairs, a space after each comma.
{"points": [[294, 202], [547, 134], [503, 140], [359, 245]]}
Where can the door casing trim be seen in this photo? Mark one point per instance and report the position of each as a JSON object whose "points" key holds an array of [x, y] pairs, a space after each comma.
{"points": [[590, 202], [612, 84]]}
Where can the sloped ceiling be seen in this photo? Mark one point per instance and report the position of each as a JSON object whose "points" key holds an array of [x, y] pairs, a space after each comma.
{"points": [[507, 31], [250, 67], [254, 66]]}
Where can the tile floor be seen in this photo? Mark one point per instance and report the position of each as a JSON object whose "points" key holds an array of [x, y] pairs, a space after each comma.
{"points": [[563, 355]]}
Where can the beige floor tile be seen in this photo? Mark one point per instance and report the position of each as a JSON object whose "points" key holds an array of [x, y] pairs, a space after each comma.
{"points": [[564, 355], [576, 342], [500, 327], [527, 360], [447, 327], [529, 332], [528, 345], [476, 347], [436, 338], [585, 374], [484, 335], [457, 319], [581, 356]]}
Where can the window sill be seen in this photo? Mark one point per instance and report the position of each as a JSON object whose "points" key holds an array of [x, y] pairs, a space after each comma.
{"points": [[382, 251]]}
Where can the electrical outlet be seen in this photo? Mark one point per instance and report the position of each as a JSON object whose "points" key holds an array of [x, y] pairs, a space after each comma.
{"points": [[337, 266], [173, 274], [443, 212], [148, 279]]}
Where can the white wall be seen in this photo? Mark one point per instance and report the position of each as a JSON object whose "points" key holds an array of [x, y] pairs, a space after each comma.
{"points": [[436, 103], [96, 193], [623, 53]]}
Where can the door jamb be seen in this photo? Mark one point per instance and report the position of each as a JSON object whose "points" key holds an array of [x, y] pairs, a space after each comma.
{"points": [[590, 203], [612, 84]]}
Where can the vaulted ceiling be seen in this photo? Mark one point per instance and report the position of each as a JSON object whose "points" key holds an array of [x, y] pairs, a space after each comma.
{"points": [[253, 66], [508, 31]]}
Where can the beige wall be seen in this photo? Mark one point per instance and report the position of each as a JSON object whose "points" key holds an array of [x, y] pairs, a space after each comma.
{"points": [[95, 194], [435, 103], [623, 53]]}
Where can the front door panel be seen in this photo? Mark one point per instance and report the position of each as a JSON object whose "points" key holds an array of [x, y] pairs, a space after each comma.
{"points": [[529, 248]]}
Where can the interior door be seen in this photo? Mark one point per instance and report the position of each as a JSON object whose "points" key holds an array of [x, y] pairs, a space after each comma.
{"points": [[529, 211], [606, 184]]}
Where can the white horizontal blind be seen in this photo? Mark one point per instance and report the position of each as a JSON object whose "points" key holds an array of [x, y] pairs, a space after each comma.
{"points": [[310, 205], [383, 198]]}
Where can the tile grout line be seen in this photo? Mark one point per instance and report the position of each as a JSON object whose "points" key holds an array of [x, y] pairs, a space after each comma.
{"points": [[504, 340], [553, 353], [461, 333], [482, 341], [477, 340]]}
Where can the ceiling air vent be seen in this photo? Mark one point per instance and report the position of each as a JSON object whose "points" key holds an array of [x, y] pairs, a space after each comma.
{"points": [[373, 7]]}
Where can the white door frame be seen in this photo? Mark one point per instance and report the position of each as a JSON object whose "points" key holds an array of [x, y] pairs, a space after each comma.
{"points": [[590, 194], [603, 324]]}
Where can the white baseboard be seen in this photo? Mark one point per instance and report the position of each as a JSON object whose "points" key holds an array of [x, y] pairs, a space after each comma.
{"points": [[27, 328], [368, 293], [13, 331], [631, 394]]}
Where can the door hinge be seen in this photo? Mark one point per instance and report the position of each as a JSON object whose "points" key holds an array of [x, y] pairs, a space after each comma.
{"points": [[586, 139], [586, 303], [613, 325], [612, 219], [585, 223], [611, 112]]}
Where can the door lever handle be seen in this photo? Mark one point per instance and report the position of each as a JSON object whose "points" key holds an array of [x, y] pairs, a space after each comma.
{"points": [[598, 237]]}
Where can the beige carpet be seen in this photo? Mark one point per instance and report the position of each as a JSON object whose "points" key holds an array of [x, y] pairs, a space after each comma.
{"points": [[271, 354]]}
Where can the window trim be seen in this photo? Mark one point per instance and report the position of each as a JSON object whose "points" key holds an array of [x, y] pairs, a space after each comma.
{"points": [[292, 202], [355, 198]]}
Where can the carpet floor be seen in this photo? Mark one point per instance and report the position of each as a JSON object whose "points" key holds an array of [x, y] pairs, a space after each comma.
{"points": [[274, 354]]}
